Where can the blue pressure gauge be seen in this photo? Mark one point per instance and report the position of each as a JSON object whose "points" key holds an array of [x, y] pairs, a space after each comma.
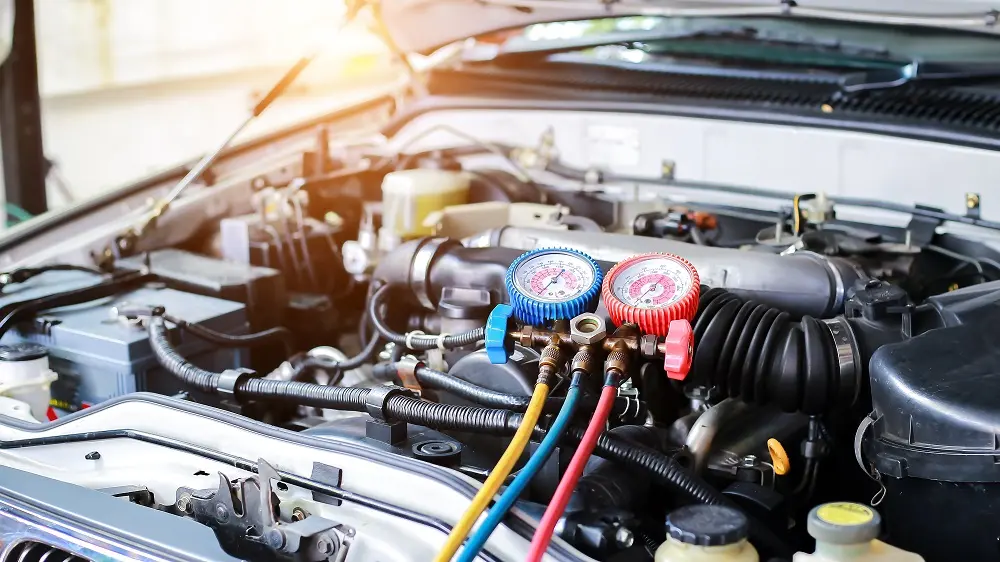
{"points": [[552, 284]]}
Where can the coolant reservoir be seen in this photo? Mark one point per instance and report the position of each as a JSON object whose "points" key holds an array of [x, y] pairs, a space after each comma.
{"points": [[25, 376], [706, 533], [408, 196], [845, 532]]}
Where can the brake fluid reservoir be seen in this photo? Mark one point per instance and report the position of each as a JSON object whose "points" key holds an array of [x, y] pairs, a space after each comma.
{"points": [[25, 376], [845, 532], [706, 533], [409, 196]]}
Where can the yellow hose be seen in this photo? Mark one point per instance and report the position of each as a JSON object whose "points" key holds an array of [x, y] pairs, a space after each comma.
{"points": [[497, 475]]}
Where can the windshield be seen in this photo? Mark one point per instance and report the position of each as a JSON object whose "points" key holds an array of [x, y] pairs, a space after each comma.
{"points": [[130, 89]]}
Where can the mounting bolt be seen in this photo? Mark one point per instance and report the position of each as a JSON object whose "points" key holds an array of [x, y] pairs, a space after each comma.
{"points": [[298, 514], [324, 546], [221, 513], [624, 538], [184, 503], [93, 456], [749, 461], [275, 539]]}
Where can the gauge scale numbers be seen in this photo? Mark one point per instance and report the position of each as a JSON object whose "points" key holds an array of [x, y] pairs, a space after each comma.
{"points": [[656, 282], [554, 277]]}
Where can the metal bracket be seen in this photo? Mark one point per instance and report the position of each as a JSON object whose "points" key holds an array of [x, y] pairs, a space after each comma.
{"points": [[243, 513]]}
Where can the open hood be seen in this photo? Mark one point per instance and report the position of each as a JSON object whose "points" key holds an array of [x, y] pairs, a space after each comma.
{"points": [[423, 25]]}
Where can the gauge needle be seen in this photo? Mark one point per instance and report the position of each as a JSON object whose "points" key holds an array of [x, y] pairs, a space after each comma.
{"points": [[553, 280], [650, 289]]}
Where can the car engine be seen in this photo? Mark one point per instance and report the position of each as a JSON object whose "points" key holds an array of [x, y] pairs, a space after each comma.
{"points": [[356, 356]]}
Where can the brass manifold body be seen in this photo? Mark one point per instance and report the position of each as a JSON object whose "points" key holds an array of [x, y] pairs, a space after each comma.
{"points": [[585, 339]]}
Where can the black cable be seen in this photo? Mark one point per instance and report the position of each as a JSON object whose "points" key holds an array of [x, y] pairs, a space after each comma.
{"points": [[417, 342], [279, 333], [22, 274], [15, 312]]}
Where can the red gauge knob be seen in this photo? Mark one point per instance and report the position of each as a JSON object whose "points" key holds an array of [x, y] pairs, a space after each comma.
{"points": [[651, 290]]}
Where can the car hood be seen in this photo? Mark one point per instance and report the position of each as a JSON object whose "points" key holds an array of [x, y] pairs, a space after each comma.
{"points": [[424, 25]]}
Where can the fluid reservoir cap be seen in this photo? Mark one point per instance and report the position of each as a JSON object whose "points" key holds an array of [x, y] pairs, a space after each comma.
{"points": [[707, 525], [24, 351], [499, 345], [552, 284], [843, 523]]}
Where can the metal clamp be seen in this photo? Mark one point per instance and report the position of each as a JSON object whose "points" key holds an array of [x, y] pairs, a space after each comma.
{"points": [[231, 378], [406, 369], [420, 270], [378, 396], [848, 357]]}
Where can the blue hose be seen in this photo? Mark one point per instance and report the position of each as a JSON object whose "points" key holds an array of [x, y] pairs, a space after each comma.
{"points": [[496, 514]]}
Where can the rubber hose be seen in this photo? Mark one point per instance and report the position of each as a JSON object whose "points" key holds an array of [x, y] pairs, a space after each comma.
{"points": [[417, 342], [173, 362], [346, 365], [279, 333], [489, 398], [755, 352], [471, 392]]}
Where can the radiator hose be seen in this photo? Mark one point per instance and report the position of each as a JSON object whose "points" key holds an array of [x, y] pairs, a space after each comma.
{"points": [[757, 353]]}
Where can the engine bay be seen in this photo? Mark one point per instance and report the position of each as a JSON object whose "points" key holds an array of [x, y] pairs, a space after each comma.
{"points": [[359, 357]]}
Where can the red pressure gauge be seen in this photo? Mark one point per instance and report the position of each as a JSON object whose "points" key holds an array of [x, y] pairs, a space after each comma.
{"points": [[652, 290]]}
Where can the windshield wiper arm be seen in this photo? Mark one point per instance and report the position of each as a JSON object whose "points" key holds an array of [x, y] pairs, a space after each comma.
{"points": [[521, 46], [916, 72]]}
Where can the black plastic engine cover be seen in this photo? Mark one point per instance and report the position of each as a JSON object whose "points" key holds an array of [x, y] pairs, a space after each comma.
{"points": [[936, 441]]}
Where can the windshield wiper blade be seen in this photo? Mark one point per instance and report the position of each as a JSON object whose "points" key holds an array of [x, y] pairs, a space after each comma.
{"points": [[918, 72], [540, 48]]}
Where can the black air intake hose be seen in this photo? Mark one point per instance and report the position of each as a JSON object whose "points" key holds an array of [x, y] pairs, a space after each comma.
{"points": [[755, 352]]}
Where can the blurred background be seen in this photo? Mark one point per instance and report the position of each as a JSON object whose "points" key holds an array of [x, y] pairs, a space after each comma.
{"points": [[132, 87]]}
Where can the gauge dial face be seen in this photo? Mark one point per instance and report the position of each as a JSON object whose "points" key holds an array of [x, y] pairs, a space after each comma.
{"points": [[554, 276], [654, 282]]}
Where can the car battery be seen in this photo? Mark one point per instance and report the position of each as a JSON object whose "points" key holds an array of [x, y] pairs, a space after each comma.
{"points": [[98, 356]]}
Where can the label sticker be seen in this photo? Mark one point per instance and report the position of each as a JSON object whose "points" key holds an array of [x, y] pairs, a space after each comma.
{"points": [[612, 146]]}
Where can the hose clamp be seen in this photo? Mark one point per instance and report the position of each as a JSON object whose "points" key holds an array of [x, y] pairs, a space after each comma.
{"points": [[378, 397], [420, 270], [848, 357], [408, 340], [231, 378], [406, 369]]}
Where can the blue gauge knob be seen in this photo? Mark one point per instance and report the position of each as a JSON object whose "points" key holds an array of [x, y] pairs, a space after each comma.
{"points": [[552, 284], [499, 344]]}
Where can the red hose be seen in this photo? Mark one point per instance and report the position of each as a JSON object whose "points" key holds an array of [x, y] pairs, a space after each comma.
{"points": [[543, 534]]}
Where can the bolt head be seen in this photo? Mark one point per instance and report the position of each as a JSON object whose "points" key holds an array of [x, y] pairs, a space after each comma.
{"points": [[587, 329], [324, 546], [221, 513], [749, 461], [184, 503], [624, 538], [275, 539]]}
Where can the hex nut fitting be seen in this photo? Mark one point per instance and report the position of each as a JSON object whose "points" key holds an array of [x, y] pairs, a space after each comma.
{"points": [[648, 344], [587, 329]]}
